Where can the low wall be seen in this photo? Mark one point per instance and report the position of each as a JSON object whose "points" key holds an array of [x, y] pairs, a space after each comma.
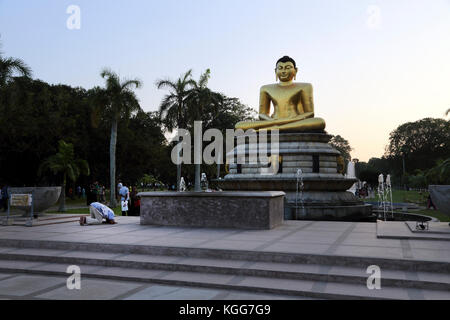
{"points": [[241, 210]]}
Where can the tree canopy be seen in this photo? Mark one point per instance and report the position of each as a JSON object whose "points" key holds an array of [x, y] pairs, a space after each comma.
{"points": [[35, 116], [421, 143]]}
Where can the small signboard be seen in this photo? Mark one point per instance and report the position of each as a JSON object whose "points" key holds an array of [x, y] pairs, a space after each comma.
{"points": [[20, 200]]}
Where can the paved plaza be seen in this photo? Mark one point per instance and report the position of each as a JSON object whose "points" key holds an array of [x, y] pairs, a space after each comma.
{"points": [[130, 261]]}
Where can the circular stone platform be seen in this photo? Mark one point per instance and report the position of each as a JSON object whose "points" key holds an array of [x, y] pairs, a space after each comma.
{"points": [[324, 195]]}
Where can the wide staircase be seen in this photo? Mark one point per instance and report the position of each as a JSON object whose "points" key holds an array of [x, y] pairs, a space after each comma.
{"points": [[296, 275]]}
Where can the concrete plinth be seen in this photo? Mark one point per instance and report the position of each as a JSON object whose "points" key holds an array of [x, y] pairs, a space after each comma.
{"points": [[240, 210]]}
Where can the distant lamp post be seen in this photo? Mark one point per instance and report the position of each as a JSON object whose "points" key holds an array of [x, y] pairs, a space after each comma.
{"points": [[355, 161]]}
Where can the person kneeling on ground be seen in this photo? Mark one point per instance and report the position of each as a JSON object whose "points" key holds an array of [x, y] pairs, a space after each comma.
{"points": [[98, 213]]}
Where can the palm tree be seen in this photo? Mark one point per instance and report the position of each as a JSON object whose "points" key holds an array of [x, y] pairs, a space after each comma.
{"points": [[121, 102], [173, 109], [8, 66], [65, 162]]}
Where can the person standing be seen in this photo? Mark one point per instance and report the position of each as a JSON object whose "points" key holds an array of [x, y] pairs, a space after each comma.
{"points": [[430, 203], [124, 194], [135, 202]]}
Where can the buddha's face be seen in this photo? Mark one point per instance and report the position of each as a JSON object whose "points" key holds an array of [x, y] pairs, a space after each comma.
{"points": [[285, 71]]}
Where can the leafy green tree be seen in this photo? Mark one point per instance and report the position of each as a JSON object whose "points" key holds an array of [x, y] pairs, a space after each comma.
{"points": [[121, 102], [142, 148], [420, 143], [65, 163], [440, 174], [343, 146], [173, 108]]}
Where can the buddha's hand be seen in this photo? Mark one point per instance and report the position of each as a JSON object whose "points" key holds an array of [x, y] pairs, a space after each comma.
{"points": [[305, 115], [263, 116]]}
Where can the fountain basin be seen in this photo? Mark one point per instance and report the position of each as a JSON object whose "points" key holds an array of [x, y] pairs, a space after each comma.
{"points": [[43, 197]]}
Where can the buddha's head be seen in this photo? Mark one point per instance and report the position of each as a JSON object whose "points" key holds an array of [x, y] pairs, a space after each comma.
{"points": [[286, 70]]}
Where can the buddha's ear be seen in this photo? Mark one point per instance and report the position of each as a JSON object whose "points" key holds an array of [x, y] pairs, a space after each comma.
{"points": [[276, 75]]}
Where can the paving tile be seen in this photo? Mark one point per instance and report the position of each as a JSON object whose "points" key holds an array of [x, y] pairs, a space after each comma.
{"points": [[371, 241], [26, 284], [89, 255], [434, 277], [427, 244], [254, 237], [316, 239], [287, 284], [160, 292], [363, 291], [4, 275], [171, 242], [286, 267], [308, 248], [27, 236], [71, 237], [118, 239], [369, 251], [231, 244], [62, 267], [214, 262], [199, 277], [431, 255], [149, 258], [436, 295], [362, 272], [128, 272], [92, 290], [253, 296], [40, 252], [16, 264]]}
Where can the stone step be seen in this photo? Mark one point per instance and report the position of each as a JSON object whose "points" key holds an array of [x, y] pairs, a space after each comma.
{"points": [[440, 267], [312, 272], [292, 287]]}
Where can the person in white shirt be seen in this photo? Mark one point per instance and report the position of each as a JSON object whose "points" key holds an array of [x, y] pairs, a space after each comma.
{"points": [[98, 212], [124, 194]]}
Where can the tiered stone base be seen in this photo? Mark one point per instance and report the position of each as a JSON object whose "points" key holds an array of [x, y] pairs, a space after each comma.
{"points": [[324, 195]]}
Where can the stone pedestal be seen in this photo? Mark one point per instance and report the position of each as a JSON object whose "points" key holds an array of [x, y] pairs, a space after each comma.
{"points": [[240, 210], [324, 195]]}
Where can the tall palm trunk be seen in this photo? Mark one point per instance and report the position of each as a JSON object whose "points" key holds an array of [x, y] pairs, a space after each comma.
{"points": [[178, 176], [112, 162], [197, 187], [180, 103], [62, 198]]}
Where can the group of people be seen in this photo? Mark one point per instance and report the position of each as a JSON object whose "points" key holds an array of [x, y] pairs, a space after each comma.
{"points": [[130, 202], [96, 193]]}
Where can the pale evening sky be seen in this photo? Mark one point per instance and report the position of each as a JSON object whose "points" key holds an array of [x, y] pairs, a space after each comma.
{"points": [[373, 64]]}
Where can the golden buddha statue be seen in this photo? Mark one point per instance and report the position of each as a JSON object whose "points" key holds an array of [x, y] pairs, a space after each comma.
{"points": [[293, 103]]}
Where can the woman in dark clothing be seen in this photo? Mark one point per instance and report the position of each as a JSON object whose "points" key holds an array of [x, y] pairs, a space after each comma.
{"points": [[135, 202]]}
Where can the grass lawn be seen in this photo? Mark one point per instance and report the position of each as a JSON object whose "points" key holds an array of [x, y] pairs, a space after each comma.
{"points": [[432, 213], [407, 196]]}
